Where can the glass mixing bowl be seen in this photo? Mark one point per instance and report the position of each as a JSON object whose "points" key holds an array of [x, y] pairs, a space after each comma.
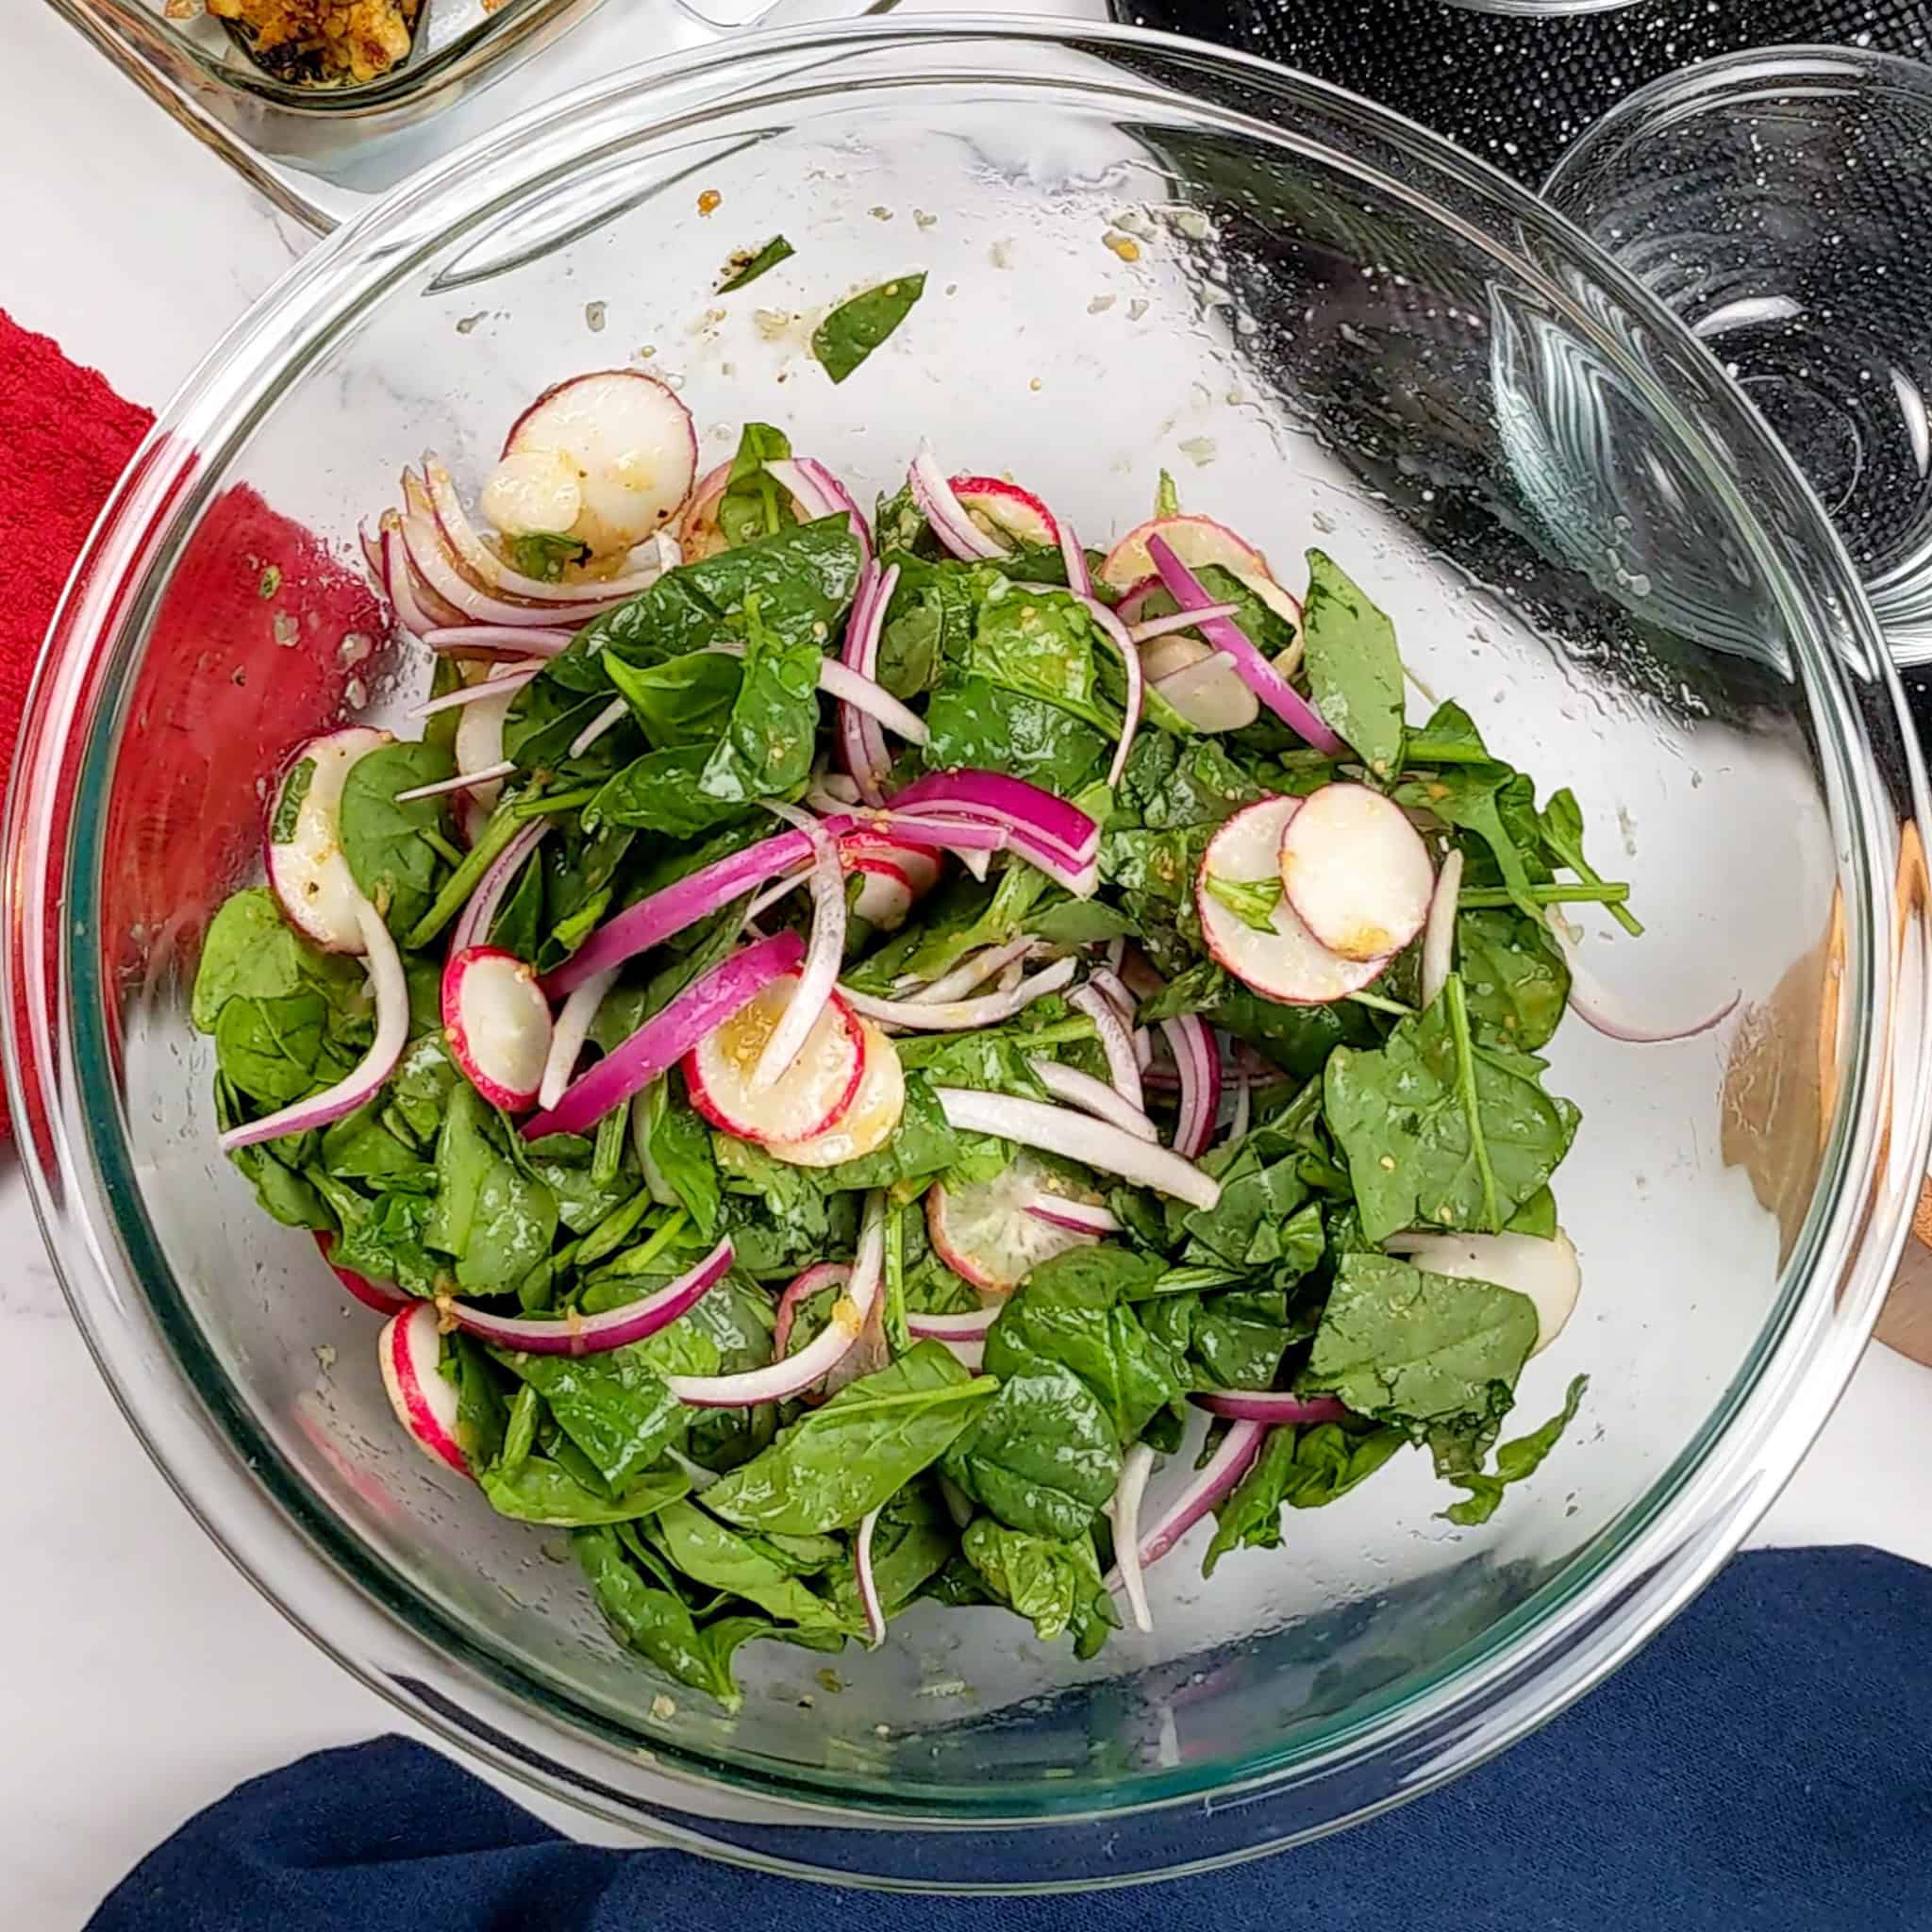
{"points": [[1333, 328]]}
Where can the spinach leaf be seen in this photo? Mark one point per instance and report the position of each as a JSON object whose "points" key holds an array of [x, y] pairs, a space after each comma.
{"points": [[497, 1219], [543, 554], [541, 1489], [1053, 1583], [853, 329], [752, 505], [1515, 1460], [1301, 1469], [1436, 1129], [361, 1148], [747, 265], [391, 847], [659, 793], [252, 950], [1355, 674], [1039, 642], [655, 1620], [1251, 901], [1560, 824], [681, 700], [836, 1462], [767, 746], [613, 1405], [1436, 1355], [1515, 979], [912, 1543], [278, 1050], [712, 1553], [678, 1144], [1473, 799], [972, 721]]}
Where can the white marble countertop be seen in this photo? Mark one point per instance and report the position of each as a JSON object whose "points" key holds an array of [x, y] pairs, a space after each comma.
{"points": [[119, 1621]]}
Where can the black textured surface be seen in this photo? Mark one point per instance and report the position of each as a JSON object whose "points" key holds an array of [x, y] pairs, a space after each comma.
{"points": [[1518, 91]]}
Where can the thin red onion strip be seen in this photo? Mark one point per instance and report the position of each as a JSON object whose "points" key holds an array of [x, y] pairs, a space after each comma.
{"points": [[823, 1352], [975, 969], [1180, 620], [1598, 1008], [1271, 1406], [1254, 669], [511, 676], [940, 505], [1238, 1124], [1137, 689], [1199, 1067], [434, 565], [597, 1334], [606, 720], [1115, 1043], [460, 639], [462, 781], [567, 1037], [1092, 1096], [1079, 576], [819, 494], [840, 682], [1438, 930], [869, 1602], [668, 1036], [391, 991], [1123, 1512], [861, 741], [1224, 1468], [959, 1016], [1077, 1216], [1050, 819], [398, 583], [822, 953], [970, 1326], [479, 910]]}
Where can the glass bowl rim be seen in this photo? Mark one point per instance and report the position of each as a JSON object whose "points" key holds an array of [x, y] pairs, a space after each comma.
{"points": [[1608, 1600]]}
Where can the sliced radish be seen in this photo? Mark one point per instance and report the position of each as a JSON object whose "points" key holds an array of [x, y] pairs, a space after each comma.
{"points": [[1545, 1273], [1287, 962], [812, 1094], [1196, 540], [497, 1023], [819, 1277], [631, 443], [1176, 652], [385, 1301], [869, 1123], [983, 1231], [306, 870], [1209, 694], [1007, 510], [480, 745], [1357, 871], [533, 492], [885, 893], [698, 535], [921, 865], [410, 1350]]}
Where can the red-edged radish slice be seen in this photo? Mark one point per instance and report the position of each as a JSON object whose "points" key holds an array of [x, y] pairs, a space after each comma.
{"points": [[1357, 871], [633, 447], [1545, 1273], [872, 1118], [497, 1023], [1007, 510], [479, 744], [1196, 540], [818, 1277], [1173, 652], [310, 877], [533, 492], [698, 535], [983, 1232], [1209, 694], [921, 865], [385, 1301], [810, 1096], [1439, 929], [410, 1350], [885, 893], [1287, 962]]}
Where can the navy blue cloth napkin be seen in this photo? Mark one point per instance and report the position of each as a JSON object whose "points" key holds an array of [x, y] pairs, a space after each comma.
{"points": [[1765, 1764]]}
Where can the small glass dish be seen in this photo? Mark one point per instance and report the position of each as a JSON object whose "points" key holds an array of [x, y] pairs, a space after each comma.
{"points": [[1779, 202], [323, 152]]}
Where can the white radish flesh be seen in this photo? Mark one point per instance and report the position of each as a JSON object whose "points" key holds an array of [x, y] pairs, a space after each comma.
{"points": [[479, 744], [1545, 1273], [497, 1023], [1357, 871], [984, 1233], [1196, 540], [1176, 651], [872, 1118], [306, 866], [1209, 694], [1010, 510], [410, 1350], [534, 492], [1287, 962], [885, 893], [921, 864], [632, 447], [810, 1096]]}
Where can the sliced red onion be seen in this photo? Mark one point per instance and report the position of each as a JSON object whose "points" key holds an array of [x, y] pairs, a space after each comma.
{"points": [[1153, 628], [970, 1326], [960, 1016], [1047, 819], [1224, 1468], [793, 1374], [1137, 690], [1596, 1006], [1254, 671], [1438, 930], [975, 969], [480, 909], [1269, 1406], [1078, 1137], [833, 793], [822, 953], [1078, 1217], [399, 582], [940, 505], [392, 990], [1237, 1123], [489, 571], [664, 1039], [505, 678], [819, 494], [433, 564], [1123, 1512], [862, 743], [1079, 576], [840, 682], [606, 720], [821, 1275], [869, 1602], [576, 1334], [1095, 999], [1200, 1075], [1092, 1096], [463, 780], [1107, 978], [567, 1037], [475, 640]]}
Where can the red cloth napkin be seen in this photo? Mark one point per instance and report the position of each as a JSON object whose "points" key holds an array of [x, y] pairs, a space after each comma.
{"points": [[261, 636]]}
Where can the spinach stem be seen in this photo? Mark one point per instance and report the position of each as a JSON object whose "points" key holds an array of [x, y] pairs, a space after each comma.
{"points": [[898, 1336], [544, 802], [1563, 892], [608, 1154], [1061, 1033], [1465, 1090], [1620, 913], [439, 844], [503, 826], [639, 1258], [1376, 1004]]}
